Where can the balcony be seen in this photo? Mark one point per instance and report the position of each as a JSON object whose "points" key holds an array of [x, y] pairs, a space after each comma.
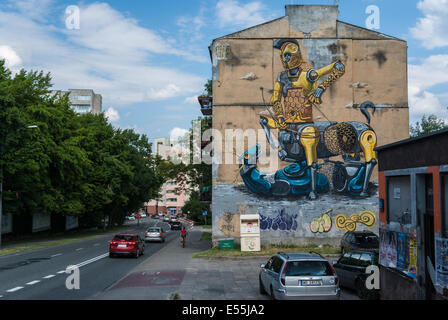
{"points": [[206, 103]]}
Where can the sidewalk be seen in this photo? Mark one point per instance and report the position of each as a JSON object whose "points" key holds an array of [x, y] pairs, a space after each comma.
{"points": [[173, 273]]}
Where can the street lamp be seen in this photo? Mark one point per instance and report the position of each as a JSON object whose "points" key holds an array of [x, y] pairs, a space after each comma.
{"points": [[1, 182]]}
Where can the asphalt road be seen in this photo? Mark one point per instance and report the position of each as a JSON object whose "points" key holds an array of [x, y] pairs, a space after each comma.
{"points": [[40, 274]]}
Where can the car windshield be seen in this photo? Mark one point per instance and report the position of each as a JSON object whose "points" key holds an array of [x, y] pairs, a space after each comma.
{"points": [[367, 239], [153, 230], [124, 238], [308, 268]]}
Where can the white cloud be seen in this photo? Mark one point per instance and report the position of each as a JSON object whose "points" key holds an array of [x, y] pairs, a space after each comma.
{"points": [[192, 100], [11, 57], [234, 14], [431, 72], [111, 54], [177, 133], [112, 115], [431, 29]]}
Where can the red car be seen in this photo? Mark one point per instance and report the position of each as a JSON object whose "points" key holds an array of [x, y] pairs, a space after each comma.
{"points": [[127, 244]]}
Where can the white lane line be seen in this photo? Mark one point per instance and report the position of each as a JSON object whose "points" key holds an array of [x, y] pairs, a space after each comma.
{"points": [[61, 272], [49, 276], [92, 260], [14, 289], [79, 249], [33, 282], [56, 255]]}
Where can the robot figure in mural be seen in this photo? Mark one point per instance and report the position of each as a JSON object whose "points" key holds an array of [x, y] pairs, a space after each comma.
{"points": [[303, 141]]}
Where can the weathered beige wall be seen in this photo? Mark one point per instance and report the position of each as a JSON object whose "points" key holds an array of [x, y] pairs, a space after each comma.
{"points": [[379, 66]]}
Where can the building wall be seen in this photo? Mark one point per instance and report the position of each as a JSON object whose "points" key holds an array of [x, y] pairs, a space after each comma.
{"points": [[245, 67]]}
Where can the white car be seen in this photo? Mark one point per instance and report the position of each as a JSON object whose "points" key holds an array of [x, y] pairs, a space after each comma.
{"points": [[130, 218]]}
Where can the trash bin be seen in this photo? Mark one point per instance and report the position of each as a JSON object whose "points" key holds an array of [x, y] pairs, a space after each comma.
{"points": [[228, 243]]}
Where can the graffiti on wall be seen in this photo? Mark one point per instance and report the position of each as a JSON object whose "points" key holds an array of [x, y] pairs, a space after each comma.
{"points": [[441, 252], [281, 222], [367, 218], [322, 223], [398, 250], [229, 224], [302, 141]]}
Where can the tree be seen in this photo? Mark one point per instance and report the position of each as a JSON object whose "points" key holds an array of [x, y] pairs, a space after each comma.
{"points": [[427, 125], [72, 164]]}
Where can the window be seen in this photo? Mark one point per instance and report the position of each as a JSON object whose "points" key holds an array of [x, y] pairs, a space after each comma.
{"points": [[365, 260], [354, 259], [277, 265], [82, 98], [308, 268], [171, 200], [124, 238], [81, 108], [269, 263], [345, 258], [153, 230]]}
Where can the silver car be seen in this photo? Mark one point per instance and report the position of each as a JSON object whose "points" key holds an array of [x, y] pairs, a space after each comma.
{"points": [[299, 276], [155, 234]]}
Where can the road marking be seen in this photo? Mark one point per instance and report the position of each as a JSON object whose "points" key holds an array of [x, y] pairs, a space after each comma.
{"points": [[33, 282], [60, 272], [49, 276], [79, 265], [14, 289], [79, 249], [56, 255]]}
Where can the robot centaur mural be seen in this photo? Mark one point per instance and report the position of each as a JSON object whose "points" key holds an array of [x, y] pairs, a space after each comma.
{"points": [[297, 91]]}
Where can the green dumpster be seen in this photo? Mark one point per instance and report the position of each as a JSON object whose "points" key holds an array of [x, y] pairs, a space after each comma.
{"points": [[228, 243]]}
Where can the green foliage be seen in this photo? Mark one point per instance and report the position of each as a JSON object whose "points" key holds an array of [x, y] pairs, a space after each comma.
{"points": [[209, 87], [427, 125], [194, 207], [71, 164]]}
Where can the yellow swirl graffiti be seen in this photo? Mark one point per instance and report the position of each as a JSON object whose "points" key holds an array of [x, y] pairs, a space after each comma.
{"points": [[367, 218]]}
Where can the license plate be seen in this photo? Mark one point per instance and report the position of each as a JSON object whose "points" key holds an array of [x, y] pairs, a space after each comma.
{"points": [[307, 283], [122, 246]]}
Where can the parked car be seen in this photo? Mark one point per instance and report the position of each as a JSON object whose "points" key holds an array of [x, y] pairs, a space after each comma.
{"points": [[166, 219], [126, 244], [155, 234], [154, 216], [299, 276], [176, 225], [130, 218], [143, 215], [351, 269], [137, 216], [360, 240]]}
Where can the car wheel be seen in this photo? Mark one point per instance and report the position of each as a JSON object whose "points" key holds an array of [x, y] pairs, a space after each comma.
{"points": [[111, 255], [262, 290]]}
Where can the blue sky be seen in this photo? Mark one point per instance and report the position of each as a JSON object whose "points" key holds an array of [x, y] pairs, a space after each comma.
{"points": [[149, 59]]}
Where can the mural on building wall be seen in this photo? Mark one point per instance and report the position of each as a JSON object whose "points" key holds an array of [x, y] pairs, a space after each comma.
{"points": [[367, 218], [402, 251], [281, 222], [302, 141], [322, 223]]}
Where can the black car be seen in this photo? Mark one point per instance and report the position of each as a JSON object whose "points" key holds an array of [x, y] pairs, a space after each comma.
{"points": [[360, 240], [176, 225], [351, 269]]}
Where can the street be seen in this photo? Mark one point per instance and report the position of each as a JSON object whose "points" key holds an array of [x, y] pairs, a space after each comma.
{"points": [[165, 271], [40, 274]]}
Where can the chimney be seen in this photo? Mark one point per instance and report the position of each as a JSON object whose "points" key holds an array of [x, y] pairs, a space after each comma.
{"points": [[320, 19]]}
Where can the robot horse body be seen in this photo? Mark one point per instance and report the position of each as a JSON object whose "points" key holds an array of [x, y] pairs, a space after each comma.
{"points": [[302, 141]]}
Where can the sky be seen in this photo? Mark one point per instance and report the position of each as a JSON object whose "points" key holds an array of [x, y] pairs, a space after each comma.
{"points": [[149, 59]]}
